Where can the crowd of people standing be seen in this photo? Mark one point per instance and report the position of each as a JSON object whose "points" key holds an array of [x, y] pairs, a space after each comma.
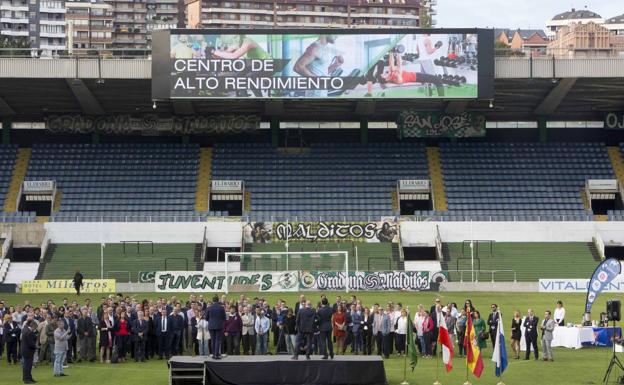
{"points": [[127, 329]]}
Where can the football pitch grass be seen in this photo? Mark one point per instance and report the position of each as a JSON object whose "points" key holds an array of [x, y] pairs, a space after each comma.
{"points": [[584, 366]]}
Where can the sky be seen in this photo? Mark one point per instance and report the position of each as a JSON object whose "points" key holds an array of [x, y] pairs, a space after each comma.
{"points": [[525, 14]]}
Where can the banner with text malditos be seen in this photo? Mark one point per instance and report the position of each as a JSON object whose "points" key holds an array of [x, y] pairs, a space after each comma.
{"points": [[365, 280], [67, 286], [209, 281]]}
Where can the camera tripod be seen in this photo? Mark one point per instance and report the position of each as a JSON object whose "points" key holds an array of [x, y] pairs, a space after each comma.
{"points": [[615, 361]]}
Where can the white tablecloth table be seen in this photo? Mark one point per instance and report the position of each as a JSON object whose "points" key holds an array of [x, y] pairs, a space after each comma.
{"points": [[567, 337]]}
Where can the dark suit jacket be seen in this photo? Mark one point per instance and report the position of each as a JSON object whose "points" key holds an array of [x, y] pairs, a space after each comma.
{"points": [[29, 343], [305, 320], [531, 327], [493, 321], [85, 325], [178, 323], [139, 326], [158, 325], [325, 318], [215, 314]]}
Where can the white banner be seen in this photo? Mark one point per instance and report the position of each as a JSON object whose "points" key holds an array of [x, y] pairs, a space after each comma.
{"points": [[414, 185], [577, 285], [227, 185], [602, 184], [36, 186], [208, 281]]}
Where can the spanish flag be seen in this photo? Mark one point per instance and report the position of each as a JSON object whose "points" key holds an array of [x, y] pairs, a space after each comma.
{"points": [[474, 362]]}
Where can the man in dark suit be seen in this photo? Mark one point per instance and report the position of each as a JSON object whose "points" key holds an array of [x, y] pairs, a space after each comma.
{"points": [[530, 334], [164, 334], [305, 327], [177, 328], [493, 323], [140, 328], [28, 348], [300, 304], [215, 315], [325, 327], [70, 325]]}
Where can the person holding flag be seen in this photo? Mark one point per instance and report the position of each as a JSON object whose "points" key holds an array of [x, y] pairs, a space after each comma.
{"points": [[411, 348], [444, 340], [499, 356], [474, 361]]}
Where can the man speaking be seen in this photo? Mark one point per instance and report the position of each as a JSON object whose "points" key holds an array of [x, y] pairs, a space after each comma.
{"points": [[215, 314]]}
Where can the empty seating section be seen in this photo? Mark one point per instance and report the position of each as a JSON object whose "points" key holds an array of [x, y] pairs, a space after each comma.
{"points": [[527, 181], [8, 153], [63, 259], [104, 179], [370, 256], [530, 261], [331, 181]]}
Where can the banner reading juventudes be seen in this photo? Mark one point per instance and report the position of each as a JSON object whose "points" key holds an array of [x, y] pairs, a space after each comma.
{"points": [[376, 63], [67, 286], [208, 281], [361, 280]]}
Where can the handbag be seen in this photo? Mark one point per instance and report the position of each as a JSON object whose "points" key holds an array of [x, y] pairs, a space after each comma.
{"points": [[484, 335], [114, 355]]}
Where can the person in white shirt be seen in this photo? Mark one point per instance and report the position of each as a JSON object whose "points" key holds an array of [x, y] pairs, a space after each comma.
{"points": [[559, 316], [401, 332], [262, 327], [418, 324], [203, 337]]}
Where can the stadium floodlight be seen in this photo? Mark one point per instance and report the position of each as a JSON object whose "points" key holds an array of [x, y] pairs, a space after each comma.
{"points": [[335, 261]]}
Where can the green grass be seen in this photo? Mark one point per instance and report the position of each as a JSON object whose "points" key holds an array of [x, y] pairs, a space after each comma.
{"points": [[585, 366], [117, 264], [530, 260]]}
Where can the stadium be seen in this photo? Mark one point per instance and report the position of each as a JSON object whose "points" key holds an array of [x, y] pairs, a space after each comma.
{"points": [[395, 176]]}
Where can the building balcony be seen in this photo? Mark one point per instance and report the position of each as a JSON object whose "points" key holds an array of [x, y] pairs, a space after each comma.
{"points": [[237, 22], [52, 22], [43, 9], [52, 34], [234, 10], [14, 32], [312, 13], [384, 16], [126, 20], [167, 11], [11, 20], [53, 47], [17, 8]]}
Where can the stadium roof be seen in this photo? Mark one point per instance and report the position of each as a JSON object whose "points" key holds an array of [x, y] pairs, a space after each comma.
{"points": [[515, 99], [563, 89], [574, 14]]}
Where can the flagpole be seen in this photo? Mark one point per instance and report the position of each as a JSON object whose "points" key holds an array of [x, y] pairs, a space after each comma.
{"points": [[499, 337], [438, 350], [405, 360], [466, 335]]}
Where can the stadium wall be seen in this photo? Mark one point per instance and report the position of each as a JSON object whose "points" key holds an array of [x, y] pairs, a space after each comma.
{"points": [[219, 234]]}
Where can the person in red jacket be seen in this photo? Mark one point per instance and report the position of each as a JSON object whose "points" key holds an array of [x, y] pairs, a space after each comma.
{"points": [[233, 331]]}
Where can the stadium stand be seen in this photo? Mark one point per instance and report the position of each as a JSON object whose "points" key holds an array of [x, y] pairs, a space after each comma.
{"points": [[519, 181], [526, 259], [137, 180], [371, 256], [333, 181], [61, 260]]}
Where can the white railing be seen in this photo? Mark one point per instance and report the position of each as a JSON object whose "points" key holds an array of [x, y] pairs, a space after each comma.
{"points": [[477, 273], [45, 243], [438, 244], [600, 246], [8, 243]]}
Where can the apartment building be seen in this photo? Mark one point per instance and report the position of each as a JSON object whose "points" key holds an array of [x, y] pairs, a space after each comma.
{"points": [[89, 26], [310, 13], [40, 22]]}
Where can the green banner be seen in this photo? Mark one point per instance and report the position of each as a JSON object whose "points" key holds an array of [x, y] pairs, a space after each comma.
{"points": [[365, 280], [267, 232], [416, 124]]}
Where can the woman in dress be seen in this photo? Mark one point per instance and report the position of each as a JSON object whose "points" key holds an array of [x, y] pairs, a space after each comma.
{"points": [[480, 330], [107, 326], [339, 322], [122, 335], [516, 334]]}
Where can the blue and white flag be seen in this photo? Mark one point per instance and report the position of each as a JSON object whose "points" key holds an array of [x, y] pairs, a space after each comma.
{"points": [[500, 352], [606, 272]]}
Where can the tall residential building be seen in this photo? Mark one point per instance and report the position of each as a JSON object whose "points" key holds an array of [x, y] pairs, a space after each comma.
{"points": [[575, 16], [41, 23], [129, 24], [165, 14], [308, 13], [90, 25]]}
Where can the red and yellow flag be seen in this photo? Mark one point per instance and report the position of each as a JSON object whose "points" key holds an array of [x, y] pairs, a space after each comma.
{"points": [[473, 353]]}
